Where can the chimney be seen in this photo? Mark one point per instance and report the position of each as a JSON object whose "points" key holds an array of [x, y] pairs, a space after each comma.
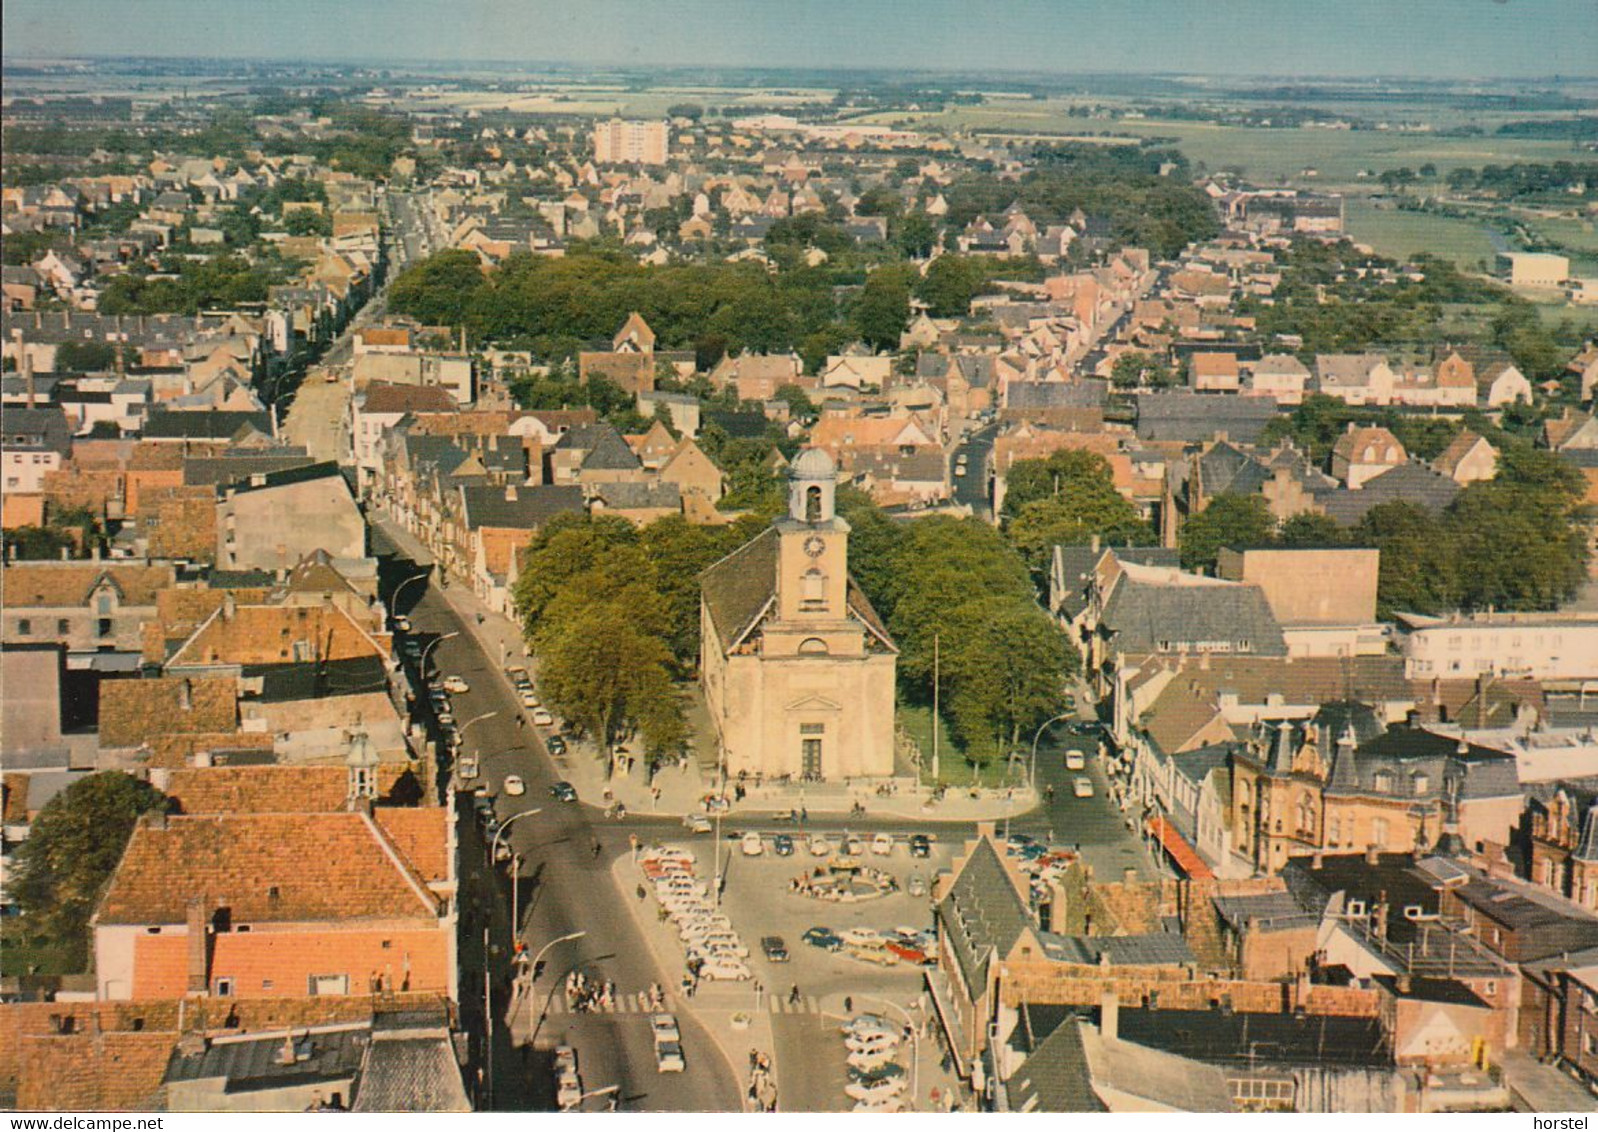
{"points": [[510, 493], [1404, 984], [229, 606], [1093, 544], [1317, 860], [1129, 876], [1110, 1015], [186, 694], [199, 949]]}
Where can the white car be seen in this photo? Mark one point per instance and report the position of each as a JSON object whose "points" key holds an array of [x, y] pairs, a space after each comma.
{"points": [[696, 823], [514, 786], [860, 937], [668, 1057], [455, 686], [865, 1024], [751, 845], [664, 1027], [542, 717], [853, 846], [882, 844], [1075, 760], [1082, 787], [467, 768], [872, 1045], [402, 624], [820, 847], [529, 700], [725, 970], [569, 1090]]}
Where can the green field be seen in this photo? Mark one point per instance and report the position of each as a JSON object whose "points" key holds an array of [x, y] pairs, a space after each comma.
{"points": [[1264, 155], [1400, 235]]}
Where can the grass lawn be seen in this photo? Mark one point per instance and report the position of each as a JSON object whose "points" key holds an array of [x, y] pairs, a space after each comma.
{"points": [[1401, 234], [954, 768]]}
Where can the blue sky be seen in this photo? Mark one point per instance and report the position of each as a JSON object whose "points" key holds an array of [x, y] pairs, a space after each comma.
{"points": [[1404, 38]]}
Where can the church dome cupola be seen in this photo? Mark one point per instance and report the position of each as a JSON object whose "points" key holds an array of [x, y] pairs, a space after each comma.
{"points": [[812, 487]]}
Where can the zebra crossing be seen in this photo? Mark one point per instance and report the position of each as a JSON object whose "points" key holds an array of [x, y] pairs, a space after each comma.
{"points": [[638, 1003]]}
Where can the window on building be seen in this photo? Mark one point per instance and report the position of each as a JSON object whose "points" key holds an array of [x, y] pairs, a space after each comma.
{"points": [[813, 590], [222, 986], [328, 984], [1379, 832], [812, 505], [1383, 782], [813, 646], [24, 627], [1334, 830], [102, 626], [1421, 783]]}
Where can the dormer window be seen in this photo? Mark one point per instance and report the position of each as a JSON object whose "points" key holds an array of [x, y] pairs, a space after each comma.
{"points": [[1383, 782]]}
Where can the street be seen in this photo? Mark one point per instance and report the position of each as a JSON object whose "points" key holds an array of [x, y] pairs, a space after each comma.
{"points": [[971, 489]]}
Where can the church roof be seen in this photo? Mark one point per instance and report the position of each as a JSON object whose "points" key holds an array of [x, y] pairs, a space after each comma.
{"points": [[739, 587]]}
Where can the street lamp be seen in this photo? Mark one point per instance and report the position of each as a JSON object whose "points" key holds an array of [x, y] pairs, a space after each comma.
{"points": [[393, 598], [493, 855], [421, 664], [460, 736], [1032, 772], [915, 1044], [543, 951]]}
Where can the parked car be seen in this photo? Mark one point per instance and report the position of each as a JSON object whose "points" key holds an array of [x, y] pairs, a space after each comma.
{"points": [[410, 649], [402, 624], [751, 845], [563, 791], [782, 845], [696, 823], [514, 786], [516, 672], [882, 844], [529, 700], [920, 845], [820, 847], [866, 1024], [542, 717], [916, 886], [668, 1057], [556, 745], [824, 938], [467, 769], [774, 949], [1082, 787], [455, 686]]}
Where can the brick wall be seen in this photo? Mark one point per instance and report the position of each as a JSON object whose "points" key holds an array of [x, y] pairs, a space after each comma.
{"points": [[1076, 985]]}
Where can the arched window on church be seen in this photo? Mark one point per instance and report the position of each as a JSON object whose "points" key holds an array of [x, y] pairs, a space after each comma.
{"points": [[813, 646], [813, 590], [1306, 814], [812, 504]]}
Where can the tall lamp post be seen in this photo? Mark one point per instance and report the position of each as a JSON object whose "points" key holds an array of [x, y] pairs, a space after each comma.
{"points": [[493, 853], [460, 736], [1032, 772], [393, 598], [421, 663], [915, 1043]]}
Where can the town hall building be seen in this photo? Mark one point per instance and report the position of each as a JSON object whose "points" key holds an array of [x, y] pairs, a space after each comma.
{"points": [[797, 668]]}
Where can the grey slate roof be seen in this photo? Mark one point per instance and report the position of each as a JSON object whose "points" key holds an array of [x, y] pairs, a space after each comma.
{"points": [[1055, 1077], [252, 1063], [1407, 483], [607, 451], [225, 470], [410, 1066], [1076, 567], [1267, 911], [532, 507], [1143, 615], [1224, 1038], [1151, 949], [1088, 393], [639, 496], [982, 914], [214, 424], [1193, 417], [37, 429], [736, 589]]}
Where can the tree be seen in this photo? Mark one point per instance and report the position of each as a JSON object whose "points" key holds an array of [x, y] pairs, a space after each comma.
{"points": [[1233, 521], [949, 285], [1005, 667], [39, 542], [1419, 569], [440, 289], [1310, 530], [916, 234], [883, 309], [72, 849], [567, 546], [1135, 369], [84, 357], [799, 402]]}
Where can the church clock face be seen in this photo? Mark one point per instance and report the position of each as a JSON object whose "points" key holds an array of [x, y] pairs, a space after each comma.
{"points": [[814, 545]]}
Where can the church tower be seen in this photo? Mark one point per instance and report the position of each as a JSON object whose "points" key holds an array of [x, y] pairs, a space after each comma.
{"points": [[813, 544]]}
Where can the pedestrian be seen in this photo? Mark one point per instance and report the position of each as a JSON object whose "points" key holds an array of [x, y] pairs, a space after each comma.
{"points": [[848, 1005], [793, 995], [754, 1059], [641, 894]]}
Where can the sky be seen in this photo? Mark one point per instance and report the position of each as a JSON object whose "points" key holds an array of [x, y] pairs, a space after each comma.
{"points": [[1422, 39]]}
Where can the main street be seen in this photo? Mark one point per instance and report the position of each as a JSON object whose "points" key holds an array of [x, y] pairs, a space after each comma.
{"points": [[971, 489], [565, 889]]}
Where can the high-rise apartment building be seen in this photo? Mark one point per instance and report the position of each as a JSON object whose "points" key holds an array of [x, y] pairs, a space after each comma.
{"points": [[622, 142]]}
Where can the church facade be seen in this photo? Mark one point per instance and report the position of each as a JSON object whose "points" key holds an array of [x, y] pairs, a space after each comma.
{"points": [[797, 668]]}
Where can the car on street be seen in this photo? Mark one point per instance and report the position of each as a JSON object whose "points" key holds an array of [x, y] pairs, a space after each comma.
{"points": [[696, 823], [411, 649], [542, 717], [884, 1071], [668, 1057], [556, 745], [455, 686], [751, 845], [664, 1028], [563, 791], [882, 844], [824, 938], [402, 624], [820, 847], [782, 845], [1075, 760], [774, 949], [860, 936], [467, 769], [916, 886], [444, 715], [514, 786], [920, 845], [529, 698], [866, 1024], [1082, 787], [725, 970], [568, 1090]]}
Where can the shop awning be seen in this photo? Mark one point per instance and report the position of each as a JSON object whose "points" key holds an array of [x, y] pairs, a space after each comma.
{"points": [[1182, 855]]}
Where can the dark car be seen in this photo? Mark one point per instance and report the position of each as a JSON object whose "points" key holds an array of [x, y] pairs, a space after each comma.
{"points": [[563, 791], [782, 845], [920, 846], [556, 745], [774, 948], [824, 938]]}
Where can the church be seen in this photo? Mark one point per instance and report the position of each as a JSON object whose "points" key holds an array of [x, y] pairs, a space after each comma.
{"points": [[797, 668]]}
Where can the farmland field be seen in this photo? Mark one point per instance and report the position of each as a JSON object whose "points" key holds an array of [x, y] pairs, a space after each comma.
{"points": [[1400, 235]]}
